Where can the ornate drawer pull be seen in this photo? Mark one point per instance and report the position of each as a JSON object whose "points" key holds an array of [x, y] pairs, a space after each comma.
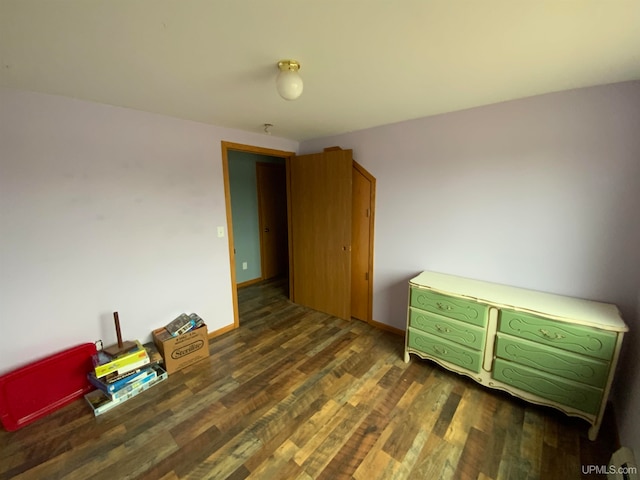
{"points": [[442, 329], [554, 336], [441, 351], [444, 307]]}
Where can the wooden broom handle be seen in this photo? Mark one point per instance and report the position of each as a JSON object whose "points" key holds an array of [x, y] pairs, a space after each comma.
{"points": [[118, 333]]}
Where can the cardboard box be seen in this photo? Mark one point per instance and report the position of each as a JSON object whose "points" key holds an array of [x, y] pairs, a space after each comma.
{"points": [[183, 350]]}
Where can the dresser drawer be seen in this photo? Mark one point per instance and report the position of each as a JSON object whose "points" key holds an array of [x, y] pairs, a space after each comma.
{"points": [[552, 360], [444, 350], [564, 392], [459, 332], [570, 337], [452, 307]]}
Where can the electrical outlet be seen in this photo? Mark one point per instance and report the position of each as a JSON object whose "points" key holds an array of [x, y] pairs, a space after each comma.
{"points": [[220, 232], [244, 265]]}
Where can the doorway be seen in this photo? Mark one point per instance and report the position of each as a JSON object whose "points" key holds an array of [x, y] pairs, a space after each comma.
{"points": [[271, 183], [362, 228], [320, 256], [242, 265]]}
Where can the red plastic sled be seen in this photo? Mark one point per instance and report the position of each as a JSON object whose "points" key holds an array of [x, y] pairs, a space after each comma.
{"points": [[38, 389]]}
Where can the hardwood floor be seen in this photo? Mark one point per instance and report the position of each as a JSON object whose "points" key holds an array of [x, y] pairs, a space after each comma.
{"points": [[297, 394]]}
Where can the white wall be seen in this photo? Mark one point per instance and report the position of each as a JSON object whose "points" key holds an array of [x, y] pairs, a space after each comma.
{"points": [[106, 209]]}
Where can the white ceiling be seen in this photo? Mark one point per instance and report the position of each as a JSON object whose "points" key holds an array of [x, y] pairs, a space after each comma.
{"points": [[364, 62]]}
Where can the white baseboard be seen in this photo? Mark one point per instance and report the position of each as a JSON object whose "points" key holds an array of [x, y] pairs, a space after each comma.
{"points": [[623, 465]]}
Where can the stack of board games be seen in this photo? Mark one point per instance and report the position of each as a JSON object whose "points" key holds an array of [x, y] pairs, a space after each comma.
{"points": [[117, 379], [183, 324]]}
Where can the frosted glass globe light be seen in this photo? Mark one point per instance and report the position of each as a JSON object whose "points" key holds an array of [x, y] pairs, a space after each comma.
{"points": [[289, 83]]}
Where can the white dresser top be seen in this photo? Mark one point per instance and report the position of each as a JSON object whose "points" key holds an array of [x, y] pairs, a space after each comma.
{"points": [[584, 312]]}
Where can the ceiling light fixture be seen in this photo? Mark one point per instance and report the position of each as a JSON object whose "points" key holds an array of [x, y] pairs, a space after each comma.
{"points": [[289, 82]]}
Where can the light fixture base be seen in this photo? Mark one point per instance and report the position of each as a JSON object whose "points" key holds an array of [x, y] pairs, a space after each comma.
{"points": [[291, 65]]}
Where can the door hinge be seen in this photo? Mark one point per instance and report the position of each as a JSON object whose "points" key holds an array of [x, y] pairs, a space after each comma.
{"points": [[368, 212], [366, 276]]}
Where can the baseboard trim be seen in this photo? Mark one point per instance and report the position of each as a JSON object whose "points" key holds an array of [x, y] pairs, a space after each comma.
{"points": [[614, 424], [221, 331], [249, 282], [388, 328]]}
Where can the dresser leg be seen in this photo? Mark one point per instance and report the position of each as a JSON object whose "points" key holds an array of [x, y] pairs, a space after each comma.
{"points": [[406, 357], [593, 431]]}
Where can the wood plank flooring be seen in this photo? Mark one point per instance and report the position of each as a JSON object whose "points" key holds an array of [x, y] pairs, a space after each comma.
{"points": [[297, 394]]}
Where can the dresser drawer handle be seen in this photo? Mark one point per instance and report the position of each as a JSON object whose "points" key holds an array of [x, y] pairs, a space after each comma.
{"points": [[444, 307], [442, 329], [441, 351], [554, 336]]}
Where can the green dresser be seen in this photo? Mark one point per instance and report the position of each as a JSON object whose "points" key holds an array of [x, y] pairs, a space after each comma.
{"points": [[444, 350], [463, 333], [573, 338], [580, 368], [447, 328], [548, 349], [457, 308], [564, 392]]}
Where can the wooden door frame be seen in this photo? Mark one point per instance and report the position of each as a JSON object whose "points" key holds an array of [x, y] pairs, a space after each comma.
{"points": [[226, 147], [372, 200]]}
